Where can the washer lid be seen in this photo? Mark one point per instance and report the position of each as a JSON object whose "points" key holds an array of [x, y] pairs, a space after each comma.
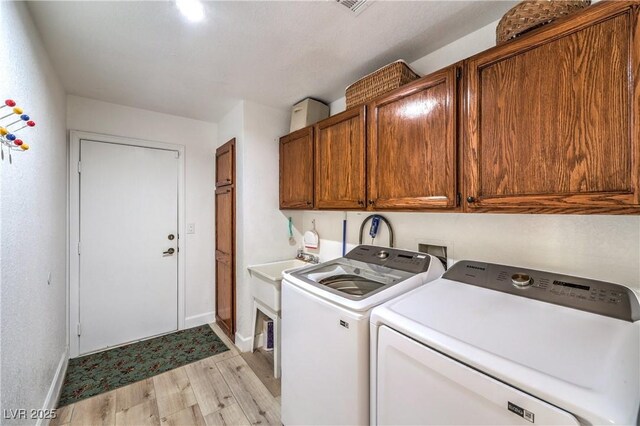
{"points": [[582, 362], [351, 279]]}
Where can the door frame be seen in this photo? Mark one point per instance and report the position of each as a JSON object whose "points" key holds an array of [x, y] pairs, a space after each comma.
{"points": [[73, 290]]}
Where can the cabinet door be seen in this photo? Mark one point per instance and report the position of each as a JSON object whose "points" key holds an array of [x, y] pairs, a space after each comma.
{"points": [[225, 297], [296, 170], [340, 161], [225, 163], [552, 120], [412, 145], [226, 237], [225, 259]]}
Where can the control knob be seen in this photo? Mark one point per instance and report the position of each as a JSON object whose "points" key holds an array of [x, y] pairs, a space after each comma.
{"points": [[382, 254], [521, 280]]}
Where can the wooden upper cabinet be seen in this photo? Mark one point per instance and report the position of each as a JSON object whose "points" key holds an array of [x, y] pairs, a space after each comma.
{"points": [[224, 164], [553, 118], [340, 161], [296, 170], [412, 145]]}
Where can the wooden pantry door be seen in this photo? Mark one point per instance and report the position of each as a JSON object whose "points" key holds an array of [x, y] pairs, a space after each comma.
{"points": [[226, 237]]}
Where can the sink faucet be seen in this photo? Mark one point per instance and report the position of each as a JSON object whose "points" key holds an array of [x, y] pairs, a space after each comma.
{"points": [[307, 257]]}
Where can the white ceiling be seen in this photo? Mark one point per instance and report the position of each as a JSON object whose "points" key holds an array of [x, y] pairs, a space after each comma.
{"points": [[146, 55]]}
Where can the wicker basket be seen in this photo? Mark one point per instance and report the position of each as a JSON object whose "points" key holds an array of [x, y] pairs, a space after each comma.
{"points": [[379, 82], [531, 14]]}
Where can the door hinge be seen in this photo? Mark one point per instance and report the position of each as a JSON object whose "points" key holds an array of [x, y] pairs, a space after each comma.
{"points": [[458, 199], [458, 72], [79, 329], [79, 167], [177, 154], [78, 247]]}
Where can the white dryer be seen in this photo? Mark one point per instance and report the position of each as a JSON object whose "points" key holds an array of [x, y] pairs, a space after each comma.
{"points": [[493, 344], [325, 330]]}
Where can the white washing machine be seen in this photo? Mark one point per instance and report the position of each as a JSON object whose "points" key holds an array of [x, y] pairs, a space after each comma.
{"points": [[325, 330], [493, 344]]}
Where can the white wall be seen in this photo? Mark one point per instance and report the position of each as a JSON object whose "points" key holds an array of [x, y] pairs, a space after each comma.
{"points": [[600, 247], [200, 140], [33, 193], [262, 229]]}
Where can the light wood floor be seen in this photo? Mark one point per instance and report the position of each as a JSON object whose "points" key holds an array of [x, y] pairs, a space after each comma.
{"points": [[220, 390], [261, 362]]}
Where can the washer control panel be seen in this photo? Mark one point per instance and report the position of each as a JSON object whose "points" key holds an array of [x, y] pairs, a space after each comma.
{"points": [[598, 297], [402, 260]]}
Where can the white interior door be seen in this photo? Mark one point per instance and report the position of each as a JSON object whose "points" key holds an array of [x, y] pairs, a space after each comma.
{"points": [[128, 211]]}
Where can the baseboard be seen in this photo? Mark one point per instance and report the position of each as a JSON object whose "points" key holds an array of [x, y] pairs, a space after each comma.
{"points": [[53, 395], [200, 319], [243, 343]]}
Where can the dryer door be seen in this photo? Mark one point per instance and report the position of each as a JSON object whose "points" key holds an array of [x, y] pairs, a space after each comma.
{"points": [[417, 385]]}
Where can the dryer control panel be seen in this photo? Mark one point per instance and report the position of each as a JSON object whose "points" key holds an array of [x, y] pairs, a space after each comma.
{"points": [[598, 297], [402, 260]]}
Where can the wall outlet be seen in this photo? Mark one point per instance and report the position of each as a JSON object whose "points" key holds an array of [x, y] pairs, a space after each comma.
{"points": [[191, 228]]}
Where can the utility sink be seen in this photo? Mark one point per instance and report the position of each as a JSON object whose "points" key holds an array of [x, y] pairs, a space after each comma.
{"points": [[265, 284], [266, 279], [273, 271]]}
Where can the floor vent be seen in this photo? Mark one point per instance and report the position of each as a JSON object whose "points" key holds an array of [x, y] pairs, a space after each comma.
{"points": [[355, 6]]}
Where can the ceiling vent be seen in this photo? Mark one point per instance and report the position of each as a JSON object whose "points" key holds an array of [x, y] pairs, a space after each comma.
{"points": [[355, 6]]}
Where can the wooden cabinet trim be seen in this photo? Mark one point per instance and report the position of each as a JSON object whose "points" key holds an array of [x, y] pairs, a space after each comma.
{"points": [[340, 117], [634, 105], [297, 134], [562, 27]]}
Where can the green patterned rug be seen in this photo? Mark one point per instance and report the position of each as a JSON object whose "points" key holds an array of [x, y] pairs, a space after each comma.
{"points": [[93, 374]]}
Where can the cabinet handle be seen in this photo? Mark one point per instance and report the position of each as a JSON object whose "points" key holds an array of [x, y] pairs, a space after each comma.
{"points": [[371, 202], [309, 203], [228, 180], [471, 199], [361, 203]]}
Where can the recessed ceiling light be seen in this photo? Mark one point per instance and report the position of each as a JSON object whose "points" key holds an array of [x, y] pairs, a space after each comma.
{"points": [[193, 10]]}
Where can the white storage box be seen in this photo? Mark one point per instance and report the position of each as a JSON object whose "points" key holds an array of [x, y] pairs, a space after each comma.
{"points": [[307, 112]]}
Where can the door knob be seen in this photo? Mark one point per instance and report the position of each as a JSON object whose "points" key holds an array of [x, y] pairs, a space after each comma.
{"points": [[471, 199], [171, 237], [170, 251]]}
